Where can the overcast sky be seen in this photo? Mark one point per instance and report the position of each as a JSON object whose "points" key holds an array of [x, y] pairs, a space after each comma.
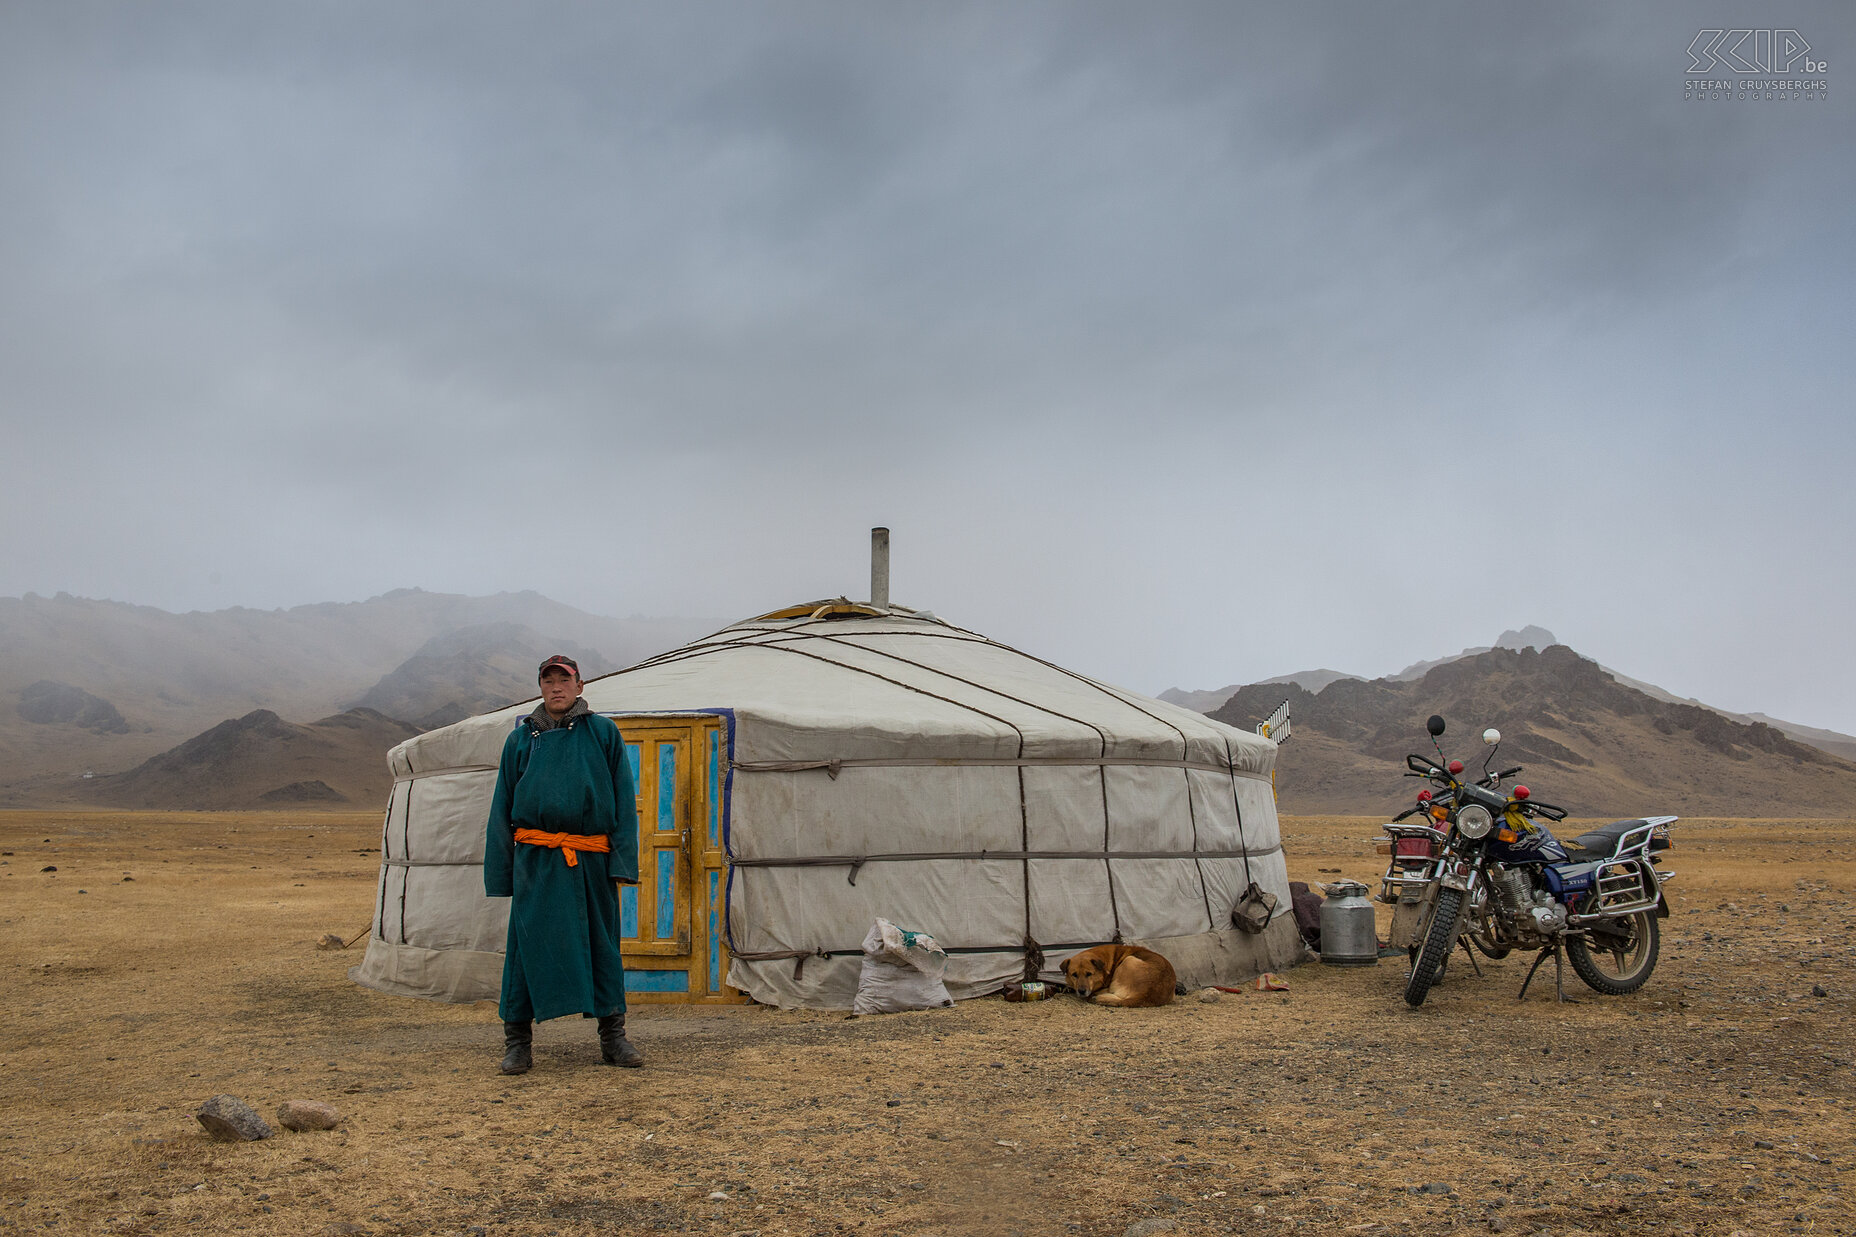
{"points": [[1183, 344]]}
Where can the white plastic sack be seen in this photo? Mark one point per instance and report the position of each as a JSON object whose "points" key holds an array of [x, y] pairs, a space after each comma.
{"points": [[901, 970]]}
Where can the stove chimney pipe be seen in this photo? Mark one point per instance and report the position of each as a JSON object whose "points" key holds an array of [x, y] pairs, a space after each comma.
{"points": [[879, 567]]}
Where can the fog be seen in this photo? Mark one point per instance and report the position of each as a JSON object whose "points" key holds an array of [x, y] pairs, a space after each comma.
{"points": [[1182, 344]]}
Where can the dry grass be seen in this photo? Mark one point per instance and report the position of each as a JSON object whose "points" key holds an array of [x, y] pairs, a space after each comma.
{"points": [[1317, 1110]]}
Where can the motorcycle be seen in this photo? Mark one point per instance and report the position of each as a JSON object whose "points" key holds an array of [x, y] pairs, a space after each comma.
{"points": [[1478, 868]]}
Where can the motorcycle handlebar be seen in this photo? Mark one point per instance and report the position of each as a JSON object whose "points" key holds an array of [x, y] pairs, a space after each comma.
{"points": [[1423, 766], [1508, 773], [1544, 809]]}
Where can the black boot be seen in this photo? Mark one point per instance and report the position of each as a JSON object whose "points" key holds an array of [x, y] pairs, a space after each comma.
{"points": [[518, 1040], [614, 1048]]}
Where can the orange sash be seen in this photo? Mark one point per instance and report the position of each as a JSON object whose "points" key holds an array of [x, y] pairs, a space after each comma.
{"points": [[569, 844]]}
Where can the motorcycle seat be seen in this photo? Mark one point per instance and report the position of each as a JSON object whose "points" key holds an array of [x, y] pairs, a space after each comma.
{"points": [[1600, 842]]}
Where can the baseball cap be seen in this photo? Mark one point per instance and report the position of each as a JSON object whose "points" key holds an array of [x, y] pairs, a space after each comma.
{"points": [[566, 663]]}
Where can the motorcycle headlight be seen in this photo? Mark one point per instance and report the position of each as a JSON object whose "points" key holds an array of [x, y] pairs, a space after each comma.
{"points": [[1474, 821]]}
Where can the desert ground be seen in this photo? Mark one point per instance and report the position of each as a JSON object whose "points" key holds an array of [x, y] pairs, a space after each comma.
{"points": [[170, 958]]}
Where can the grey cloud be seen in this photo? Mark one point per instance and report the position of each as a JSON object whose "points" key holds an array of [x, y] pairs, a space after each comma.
{"points": [[1097, 305]]}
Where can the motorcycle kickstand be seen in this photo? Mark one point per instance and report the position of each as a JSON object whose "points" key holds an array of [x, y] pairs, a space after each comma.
{"points": [[1472, 956], [1559, 974]]}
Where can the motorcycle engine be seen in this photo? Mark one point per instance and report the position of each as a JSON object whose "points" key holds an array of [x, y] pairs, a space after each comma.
{"points": [[1515, 890], [1524, 906], [1548, 917]]}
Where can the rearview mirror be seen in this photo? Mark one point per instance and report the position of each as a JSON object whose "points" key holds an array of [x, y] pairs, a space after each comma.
{"points": [[1435, 725], [1491, 736]]}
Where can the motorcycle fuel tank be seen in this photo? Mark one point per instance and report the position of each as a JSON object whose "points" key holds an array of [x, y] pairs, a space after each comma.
{"points": [[1539, 846], [1565, 878]]}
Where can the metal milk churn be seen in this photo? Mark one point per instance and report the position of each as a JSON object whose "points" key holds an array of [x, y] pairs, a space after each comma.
{"points": [[1348, 936]]}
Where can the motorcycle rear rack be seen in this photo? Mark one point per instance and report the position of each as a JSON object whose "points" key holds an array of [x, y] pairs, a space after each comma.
{"points": [[1620, 887], [1639, 840], [1399, 829], [1410, 882], [1407, 876]]}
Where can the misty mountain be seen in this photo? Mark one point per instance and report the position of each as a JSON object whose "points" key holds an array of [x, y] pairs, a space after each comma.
{"points": [[1206, 701], [46, 703], [469, 671], [1588, 742], [172, 676]]}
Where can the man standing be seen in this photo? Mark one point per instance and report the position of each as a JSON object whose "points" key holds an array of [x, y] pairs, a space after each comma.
{"points": [[563, 835]]}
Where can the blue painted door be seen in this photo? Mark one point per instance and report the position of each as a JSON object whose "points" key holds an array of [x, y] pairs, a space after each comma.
{"points": [[655, 913], [674, 938]]}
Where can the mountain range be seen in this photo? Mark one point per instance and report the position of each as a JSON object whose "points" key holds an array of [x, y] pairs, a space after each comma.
{"points": [[1837, 744], [99, 687], [1587, 741], [1316, 680], [128, 706]]}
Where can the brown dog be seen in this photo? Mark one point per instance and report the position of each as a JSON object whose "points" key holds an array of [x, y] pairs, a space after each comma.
{"points": [[1125, 975]]}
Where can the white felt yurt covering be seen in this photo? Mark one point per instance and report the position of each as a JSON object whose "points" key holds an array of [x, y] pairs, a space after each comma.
{"points": [[884, 763]]}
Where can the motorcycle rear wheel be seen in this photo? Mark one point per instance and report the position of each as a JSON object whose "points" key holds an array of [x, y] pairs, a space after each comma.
{"points": [[1615, 963], [1430, 964]]}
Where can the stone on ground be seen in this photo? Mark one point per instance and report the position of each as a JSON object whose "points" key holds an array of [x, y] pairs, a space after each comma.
{"points": [[230, 1119], [1149, 1226], [303, 1115]]}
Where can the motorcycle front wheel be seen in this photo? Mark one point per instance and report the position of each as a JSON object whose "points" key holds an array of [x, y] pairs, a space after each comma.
{"points": [[1616, 957], [1436, 951], [1487, 944], [1480, 930]]}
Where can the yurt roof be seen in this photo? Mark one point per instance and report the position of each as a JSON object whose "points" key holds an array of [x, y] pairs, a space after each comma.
{"points": [[841, 682]]}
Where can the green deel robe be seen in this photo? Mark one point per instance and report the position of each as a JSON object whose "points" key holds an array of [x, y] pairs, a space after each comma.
{"points": [[562, 956]]}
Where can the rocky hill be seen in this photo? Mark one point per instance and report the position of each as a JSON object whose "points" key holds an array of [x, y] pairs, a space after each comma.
{"points": [[255, 761], [1529, 637], [47, 703], [1588, 742], [1834, 742]]}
